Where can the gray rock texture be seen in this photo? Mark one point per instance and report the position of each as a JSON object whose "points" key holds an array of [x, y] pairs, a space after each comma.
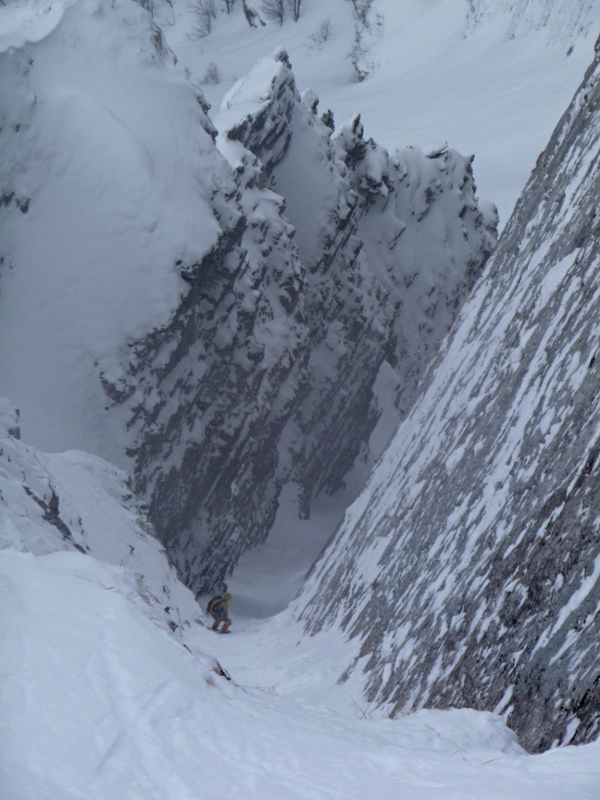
{"points": [[468, 573], [274, 356]]}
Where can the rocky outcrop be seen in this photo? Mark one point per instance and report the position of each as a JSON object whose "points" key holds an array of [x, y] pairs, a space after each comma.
{"points": [[332, 188], [426, 236], [468, 574], [216, 326], [385, 276], [211, 415]]}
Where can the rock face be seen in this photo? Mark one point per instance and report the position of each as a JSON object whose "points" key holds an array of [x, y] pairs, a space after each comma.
{"points": [[213, 322], [469, 571], [310, 320]]}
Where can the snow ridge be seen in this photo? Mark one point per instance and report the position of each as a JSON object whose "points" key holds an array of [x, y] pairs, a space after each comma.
{"points": [[75, 502]]}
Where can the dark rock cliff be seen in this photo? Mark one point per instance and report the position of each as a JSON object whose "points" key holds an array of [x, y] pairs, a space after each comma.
{"points": [[275, 352]]}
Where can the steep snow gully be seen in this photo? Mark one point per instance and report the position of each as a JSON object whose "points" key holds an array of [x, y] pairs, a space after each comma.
{"points": [[239, 323], [107, 690]]}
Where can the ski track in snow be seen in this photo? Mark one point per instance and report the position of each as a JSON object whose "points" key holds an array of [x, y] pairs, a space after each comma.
{"points": [[100, 703]]}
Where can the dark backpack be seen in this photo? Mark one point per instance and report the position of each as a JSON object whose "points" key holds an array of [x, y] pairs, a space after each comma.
{"points": [[212, 602]]}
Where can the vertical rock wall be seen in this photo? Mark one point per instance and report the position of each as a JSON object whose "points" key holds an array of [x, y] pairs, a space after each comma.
{"points": [[468, 574]]}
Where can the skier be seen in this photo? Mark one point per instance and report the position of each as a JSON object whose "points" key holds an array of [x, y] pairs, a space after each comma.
{"points": [[218, 608]]}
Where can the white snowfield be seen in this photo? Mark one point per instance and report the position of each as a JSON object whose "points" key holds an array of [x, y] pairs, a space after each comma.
{"points": [[489, 78], [109, 688]]}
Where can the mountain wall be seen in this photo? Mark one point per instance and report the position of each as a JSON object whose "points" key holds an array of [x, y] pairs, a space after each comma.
{"points": [[468, 573], [212, 322]]}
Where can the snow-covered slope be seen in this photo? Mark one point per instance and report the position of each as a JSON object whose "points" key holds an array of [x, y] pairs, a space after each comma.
{"points": [[75, 502], [468, 574], [100, 212], [562, 22], [489, 78], [108, 689]]}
